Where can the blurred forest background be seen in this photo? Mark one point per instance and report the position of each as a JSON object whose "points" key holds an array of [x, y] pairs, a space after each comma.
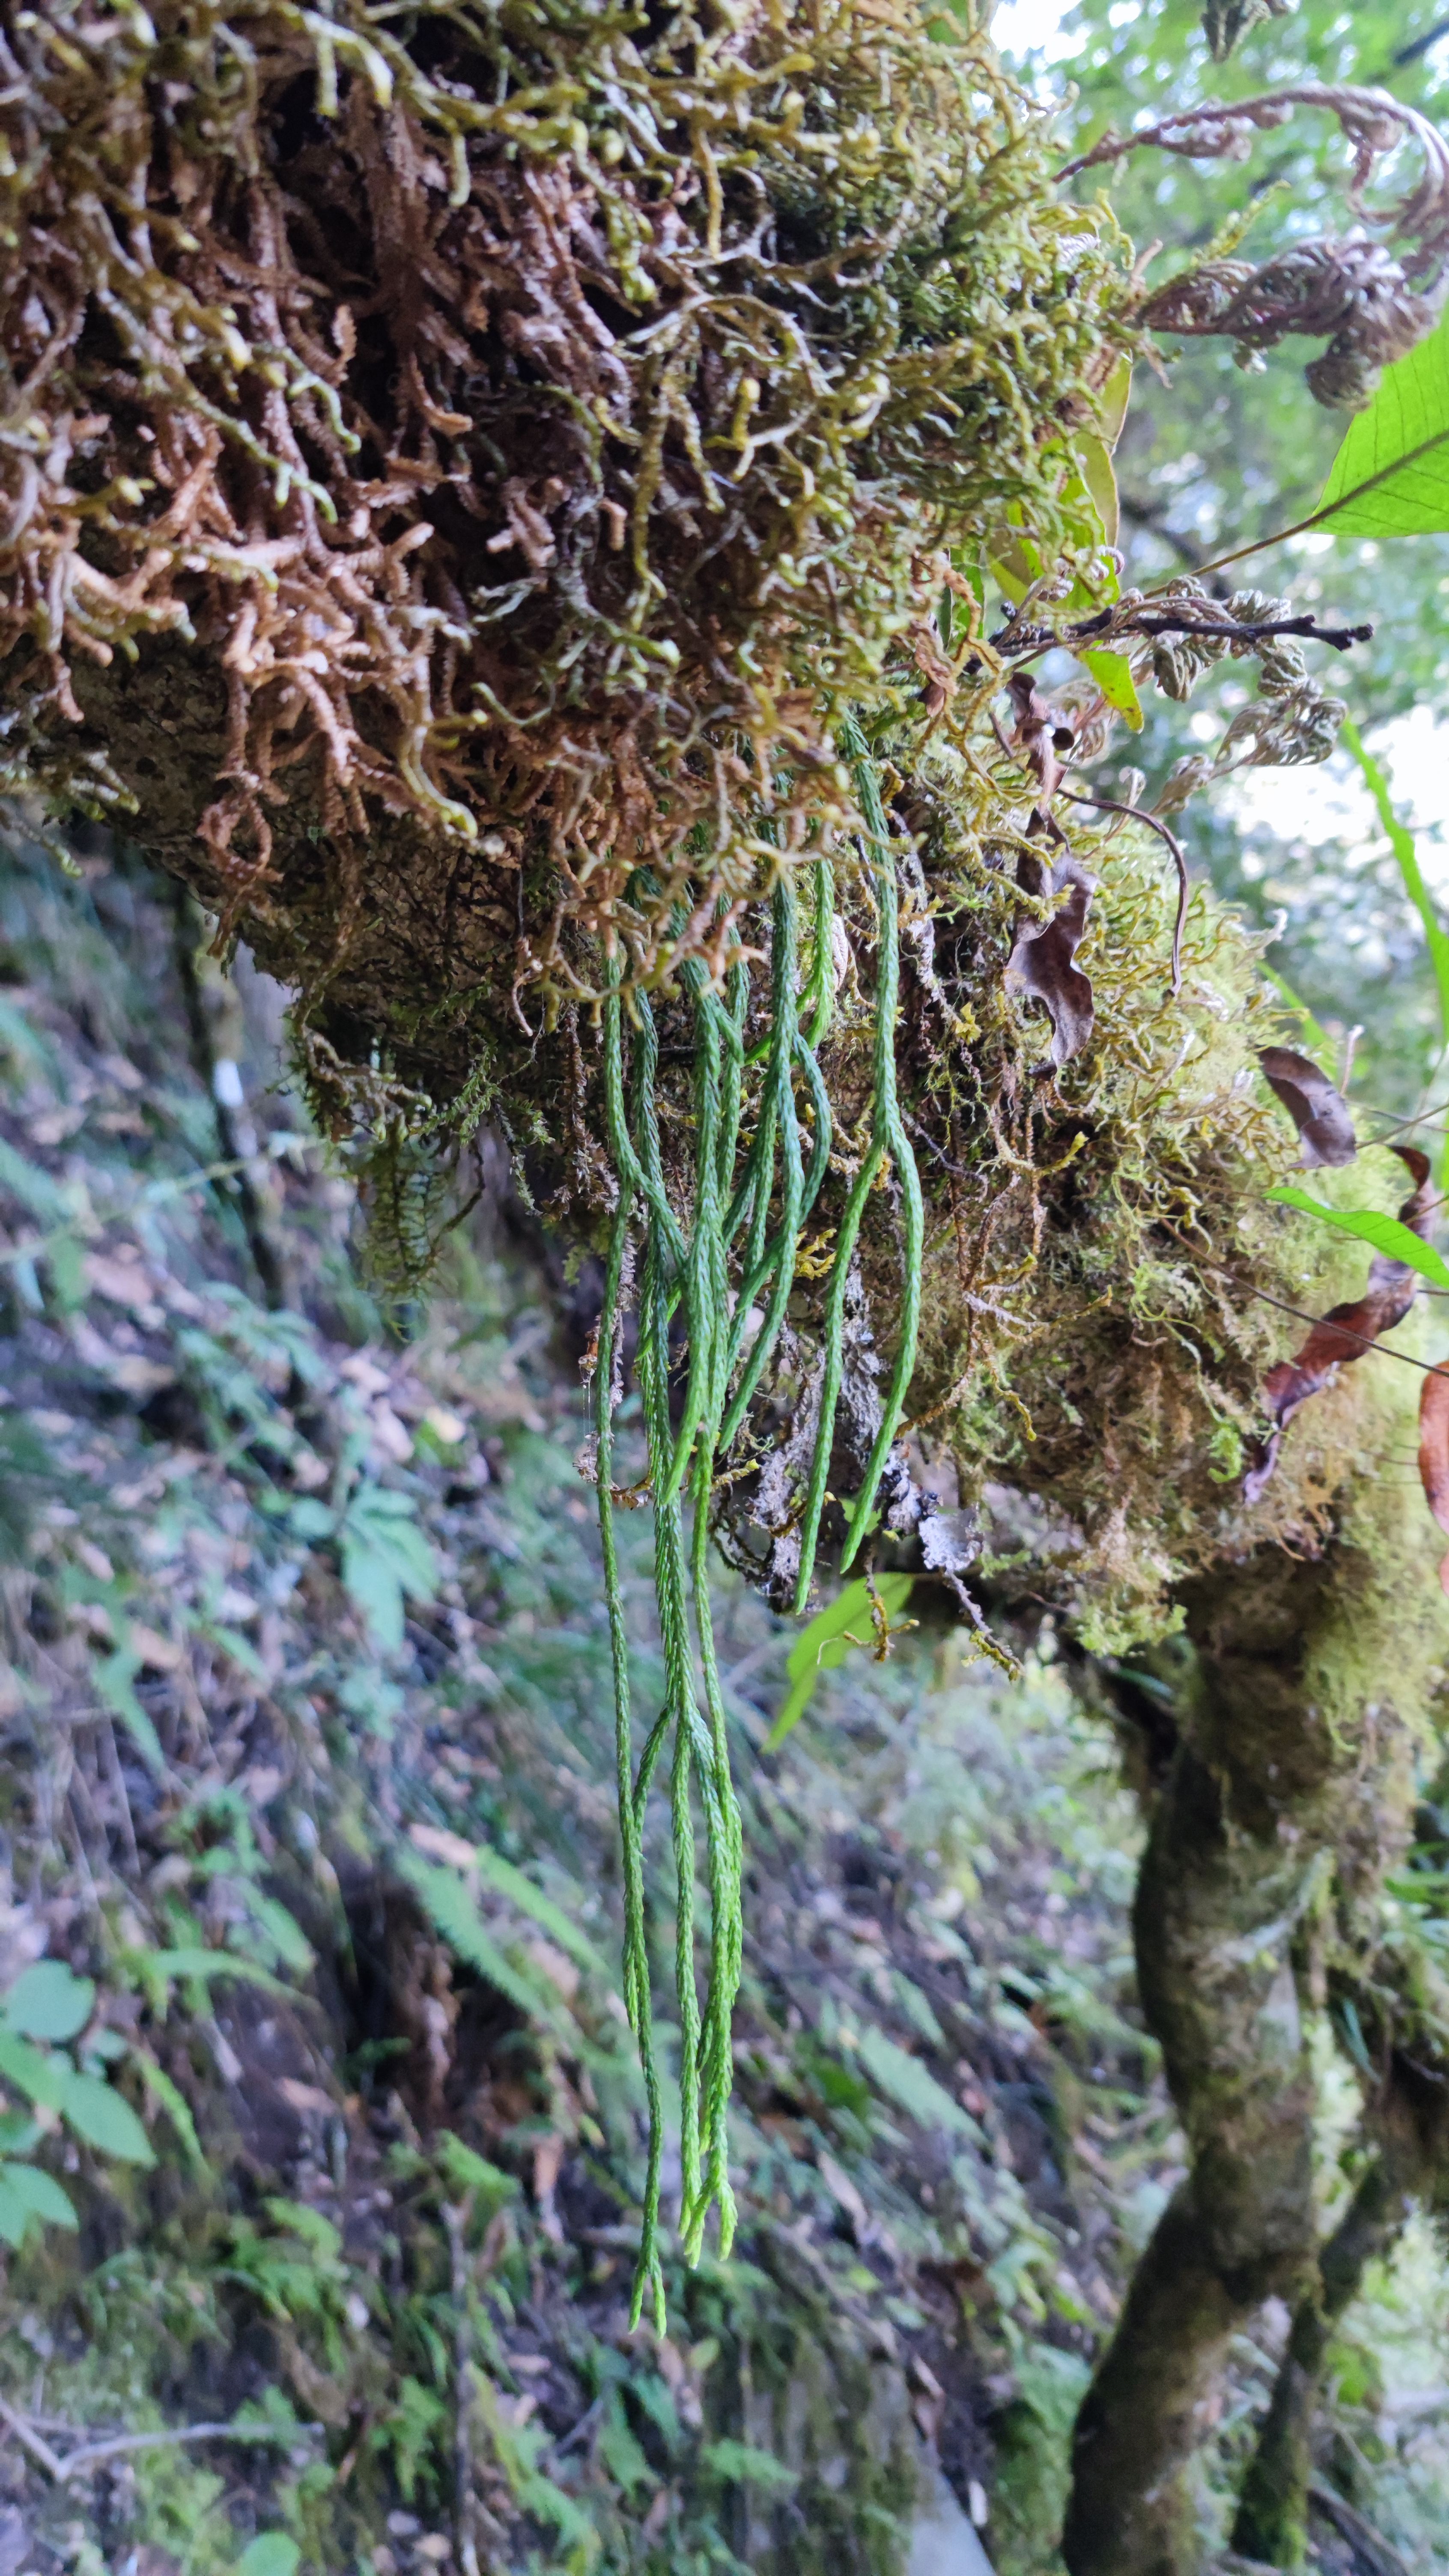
{"points": [[324, 2137]]}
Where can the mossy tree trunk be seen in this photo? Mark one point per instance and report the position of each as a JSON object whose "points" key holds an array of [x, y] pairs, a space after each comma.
{"points": [[1272, 2517], [1289, 1792]]}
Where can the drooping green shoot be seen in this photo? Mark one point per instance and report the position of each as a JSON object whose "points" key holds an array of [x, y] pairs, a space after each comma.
{"points": [[720, 1255]]}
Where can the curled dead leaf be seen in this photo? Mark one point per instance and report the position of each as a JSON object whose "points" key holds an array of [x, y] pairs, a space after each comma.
{"points": [[1344, 1333], [1043, 957], [1317, 1109], [1434, 1452]]}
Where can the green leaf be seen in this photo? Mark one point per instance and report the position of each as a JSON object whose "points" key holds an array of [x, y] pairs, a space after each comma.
{"points": [[315, 2231], [270, 2554], [98, 2114], [371, 1581], [16, 2219], [32, 1187], [827, 1641], [49, 2001], [39, 2077], [506, 1880], [113, 1680], [1113, 399], [622, 2454], [157, 1970], [1390, 477], [463, 2170], [162, 2089], [1385, 1233], [283, 1931], [1113, 675], [743, 2465], [1094, 463], [41, 2194]]}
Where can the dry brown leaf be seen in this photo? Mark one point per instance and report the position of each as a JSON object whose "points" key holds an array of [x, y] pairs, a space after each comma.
{"points": [[1434, 1452], [1317, 1109], [1344, 1333], [1043, 959]]}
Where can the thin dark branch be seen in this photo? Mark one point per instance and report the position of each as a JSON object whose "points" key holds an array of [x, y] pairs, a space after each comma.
{"points": [[1249, 1288], [1109, 624], [1419, 45]]}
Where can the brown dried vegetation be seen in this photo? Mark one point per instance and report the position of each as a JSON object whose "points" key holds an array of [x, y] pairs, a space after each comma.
{"points": [[483, 458]]}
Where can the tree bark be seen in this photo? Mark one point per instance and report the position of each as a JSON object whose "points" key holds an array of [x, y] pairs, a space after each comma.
{"points": [[1288, 1794]]}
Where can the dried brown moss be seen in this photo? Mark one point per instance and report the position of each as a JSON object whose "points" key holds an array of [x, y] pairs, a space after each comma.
{"points": [[458, 460]]}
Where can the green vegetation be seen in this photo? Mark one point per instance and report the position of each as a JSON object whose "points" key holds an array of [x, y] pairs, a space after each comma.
{"points": [[615, 552]]}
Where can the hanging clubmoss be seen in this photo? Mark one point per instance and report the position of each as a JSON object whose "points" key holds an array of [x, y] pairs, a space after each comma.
{"points": [[501, 504]]}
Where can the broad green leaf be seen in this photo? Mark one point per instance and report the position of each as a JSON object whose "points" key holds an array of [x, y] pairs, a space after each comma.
{"points": [[1113, 675], [34, 1188], [39, 2077], [372, 1583], [270, 2554], [1094, 464], [98, 2114], [1113, 399], [622, 2454], [41, 2194], [49, 2001], [283, 1931], [308, 2223], [844, 1622], [1384, 1233], [1390, 478]]}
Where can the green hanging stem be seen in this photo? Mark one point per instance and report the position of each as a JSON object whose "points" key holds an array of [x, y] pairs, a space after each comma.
{"points": [[887, 1139], [649, 2278], [690, 1268]]}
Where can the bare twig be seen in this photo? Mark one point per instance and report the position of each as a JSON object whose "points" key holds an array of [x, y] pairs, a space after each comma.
{"points": [[32, 2441], [1114, 626], [89, 2455]]}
